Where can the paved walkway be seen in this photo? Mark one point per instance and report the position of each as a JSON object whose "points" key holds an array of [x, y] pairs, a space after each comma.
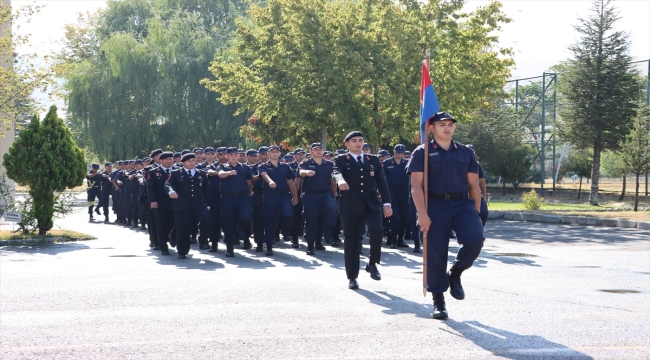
{"points": [[537, 291]]}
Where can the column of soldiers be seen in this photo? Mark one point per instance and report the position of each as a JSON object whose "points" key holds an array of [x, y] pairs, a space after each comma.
{"points": [[200, 194]]}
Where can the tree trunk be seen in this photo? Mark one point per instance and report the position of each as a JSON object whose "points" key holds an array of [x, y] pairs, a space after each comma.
{"points": [[636, 193], [595, 174], [504, 188], [620, 198], [580, 187]]}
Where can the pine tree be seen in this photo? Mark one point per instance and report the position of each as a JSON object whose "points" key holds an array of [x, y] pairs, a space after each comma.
{"points": [[636, 151], [46, 159], [601, 87]]}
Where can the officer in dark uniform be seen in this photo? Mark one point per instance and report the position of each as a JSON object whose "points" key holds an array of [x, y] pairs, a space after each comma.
{"points": [[453, 170], [483, 186], [336, 235], [135, 193], [241, 156], [115, 190], [160, 203], [398, 184], [361, 180], [145, 203], [258, 200], [236, 207], [94, 180], [106, 187], [214, 202], [319, 197], [190, 190], [298, 221], [177, 160], [279, 195], [200, 158], [366, 149]]}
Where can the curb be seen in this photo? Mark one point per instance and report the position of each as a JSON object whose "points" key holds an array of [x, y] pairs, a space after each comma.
{"points": [[569, 220], [36, 241]]}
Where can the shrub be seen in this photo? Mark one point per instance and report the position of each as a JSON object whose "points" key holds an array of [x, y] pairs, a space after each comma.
{"points": [[531, 200]]}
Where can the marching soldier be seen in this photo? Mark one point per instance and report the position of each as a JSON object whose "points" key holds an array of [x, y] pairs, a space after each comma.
{"points": [[361, 180], [236, 207], [298, 221], [159, 201], [190, 191], [258, 200], [214, 200], [319, 197], [398, 185], [94, 180], [115, 190], [279, 195], [106, 189], [453, 171]]}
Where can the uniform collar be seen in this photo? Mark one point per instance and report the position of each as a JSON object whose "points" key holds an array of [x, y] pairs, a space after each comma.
{"points": [[436, 146]]}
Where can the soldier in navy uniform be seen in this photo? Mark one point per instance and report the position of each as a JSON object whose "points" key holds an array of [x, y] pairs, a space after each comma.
{"points": [[319, 197], [236, 207], [106, 189], [115, 190], [366, 149], [361, 180], [190, 190], [215, 196], [94, 180], [398, 184], [160, 203], [258, 200], [145, 203], [298, 221], [279, 196], [453, 171]]}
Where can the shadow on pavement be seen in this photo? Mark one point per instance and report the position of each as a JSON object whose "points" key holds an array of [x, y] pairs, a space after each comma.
{"points": [[510, 345], [396, 305], [46, 249]]}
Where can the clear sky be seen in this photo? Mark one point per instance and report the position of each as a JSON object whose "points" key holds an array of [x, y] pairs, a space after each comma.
{"points": [[540, 32]]}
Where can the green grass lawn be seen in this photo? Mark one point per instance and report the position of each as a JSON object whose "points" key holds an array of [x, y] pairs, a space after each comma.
{"points": [[62, 235]]}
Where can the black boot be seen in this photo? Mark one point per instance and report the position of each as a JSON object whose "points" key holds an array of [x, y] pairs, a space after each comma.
{"points": [[269, 250], [259, 247], [215, 245], [391, 241], [247, 244], [193, 240], [310, 248], [455, 288], [91, 217], [230, 250], [294, 242], [106, 219], [319, 245], [400, 242], [97, 211], [439, 308], [328, 236]]}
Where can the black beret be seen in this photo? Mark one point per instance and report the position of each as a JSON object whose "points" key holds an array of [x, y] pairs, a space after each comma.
{"points": [[188, 156], [177, 154], [353, 134], [186, 151], [156, 152], [166, 154]]}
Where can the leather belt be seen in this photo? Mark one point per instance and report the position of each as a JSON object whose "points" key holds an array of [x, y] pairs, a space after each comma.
{"points": [[317, 192], [234, 194], [448, 197], [272, 191]]}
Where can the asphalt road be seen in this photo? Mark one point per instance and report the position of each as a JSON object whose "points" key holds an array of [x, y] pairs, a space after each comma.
{"points": [[537, 291]]}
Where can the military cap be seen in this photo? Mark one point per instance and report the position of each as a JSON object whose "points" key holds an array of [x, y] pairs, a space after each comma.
{"points": [[156, 152], [327, 153], [299, 150], [383, 153], [177, 155], [340, 151], [95, 166], [221, 150], [308, 156], [129, 162], [251, 152], [197, 149], [188, 156], [353, 134], [232, 150], [186, 151], [399, 148], [288, 157], [274, 147], [138, 162], [147, 159], [209, 150], [166, 154], [407, 153], [263, 150], [241, 151], [315, 145], [441, 115], [108, 164], [365, 146]]}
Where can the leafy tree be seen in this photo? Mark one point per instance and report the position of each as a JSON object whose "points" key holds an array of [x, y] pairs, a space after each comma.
{"points": [[309, 69], [579, 162], [636, 148], [132, 76], [45, 158], [614, 166], [601, 87], [500, 144]]}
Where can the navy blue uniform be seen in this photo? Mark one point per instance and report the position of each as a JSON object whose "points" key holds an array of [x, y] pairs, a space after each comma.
{"points": [[236, 207], [94, 188], [276, 201], [447, 179], [115, 193], [191, 205], [163, 216], [105, 193], [258, 206], [398, 185], [319, 203], [214, 202], [298, 221]]}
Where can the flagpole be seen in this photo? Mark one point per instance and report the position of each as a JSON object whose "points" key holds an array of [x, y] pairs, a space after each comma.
{"points": [[425, 180]]}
